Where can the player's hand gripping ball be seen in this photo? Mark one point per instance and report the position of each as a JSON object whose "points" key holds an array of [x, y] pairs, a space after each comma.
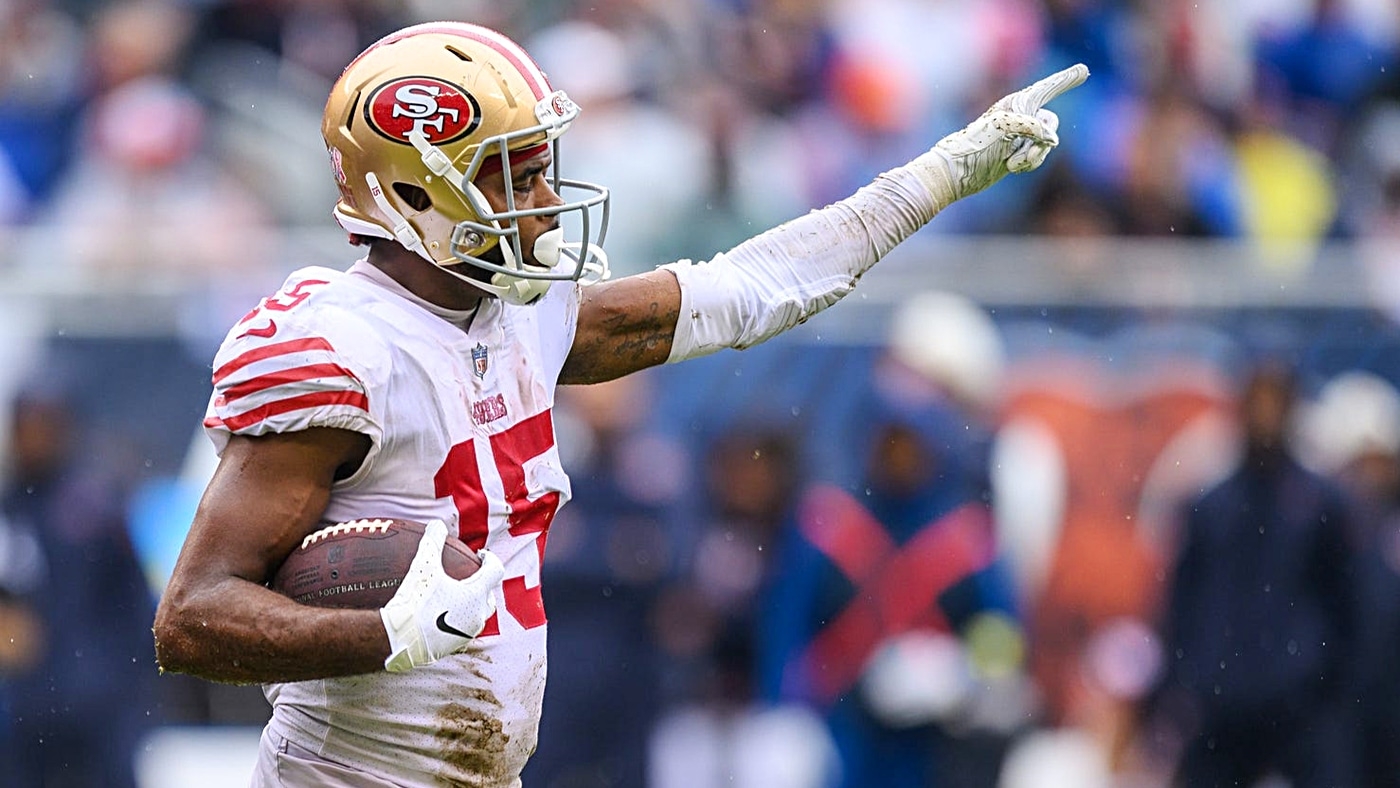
{"points": [[360, 564]]}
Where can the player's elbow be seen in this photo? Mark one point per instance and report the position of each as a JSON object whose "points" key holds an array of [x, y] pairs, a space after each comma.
{"points": [[176, 634]]}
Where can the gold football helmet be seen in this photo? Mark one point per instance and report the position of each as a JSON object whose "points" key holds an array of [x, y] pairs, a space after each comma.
{"points": [[424, 112]]}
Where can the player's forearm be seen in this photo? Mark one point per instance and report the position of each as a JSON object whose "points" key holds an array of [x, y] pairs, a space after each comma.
{"points": [[779, 279], [235, 631], [624, 325]]}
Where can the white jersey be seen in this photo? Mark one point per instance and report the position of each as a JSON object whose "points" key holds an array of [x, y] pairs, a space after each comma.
{"points": [[461, 429]]}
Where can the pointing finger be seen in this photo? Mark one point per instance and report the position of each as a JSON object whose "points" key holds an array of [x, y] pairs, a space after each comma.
{"points": [[1046, 90]]}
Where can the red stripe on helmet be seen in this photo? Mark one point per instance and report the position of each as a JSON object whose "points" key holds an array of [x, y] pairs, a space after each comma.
{"points": [[507, 48], [510, 51]]}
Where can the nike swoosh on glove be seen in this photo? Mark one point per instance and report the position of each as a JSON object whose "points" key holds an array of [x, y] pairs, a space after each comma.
{"points": [[1014, 135], [433, 614]]}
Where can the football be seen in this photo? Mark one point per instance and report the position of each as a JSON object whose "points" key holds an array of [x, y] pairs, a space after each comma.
{"points": [[359, 564]]}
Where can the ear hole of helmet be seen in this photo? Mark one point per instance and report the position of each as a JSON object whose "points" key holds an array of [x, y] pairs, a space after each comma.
{"points": [[415, 196]]}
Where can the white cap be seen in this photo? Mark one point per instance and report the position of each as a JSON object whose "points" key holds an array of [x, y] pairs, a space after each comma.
{"points": [[951, 341]]}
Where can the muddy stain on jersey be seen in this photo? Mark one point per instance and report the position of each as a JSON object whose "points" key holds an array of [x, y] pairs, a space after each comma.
{"points": [[473, 742]]}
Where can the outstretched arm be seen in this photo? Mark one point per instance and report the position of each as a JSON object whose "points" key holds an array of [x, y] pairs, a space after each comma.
{"points": [[777, 280]]}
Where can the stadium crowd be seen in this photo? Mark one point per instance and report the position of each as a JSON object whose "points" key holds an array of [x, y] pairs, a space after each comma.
{"points": [[1250, 120], [1057, 585]]}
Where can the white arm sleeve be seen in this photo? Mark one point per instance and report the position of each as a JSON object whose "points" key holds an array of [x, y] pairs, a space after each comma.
{"points": [[771, 283], [777, 280]]}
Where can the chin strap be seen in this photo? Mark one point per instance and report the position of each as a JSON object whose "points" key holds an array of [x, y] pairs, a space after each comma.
{"points": [[403, 231], [510, 289], [549, 248]]}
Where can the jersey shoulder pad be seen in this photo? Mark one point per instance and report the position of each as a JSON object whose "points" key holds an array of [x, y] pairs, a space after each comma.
{"points": [[304, 357]]}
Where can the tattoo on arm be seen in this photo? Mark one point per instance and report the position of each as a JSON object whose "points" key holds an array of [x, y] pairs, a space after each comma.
{"points": [[623, 328]]}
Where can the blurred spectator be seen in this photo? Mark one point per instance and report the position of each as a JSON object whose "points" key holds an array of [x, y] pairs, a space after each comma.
{"points": [[132, 39], [1323, 70], [1353, 433], [1180, 168], [774, 51], [40, 93], [768, 69], [609, 552], [1258, 626], [1369, 187], [718, 730], [141, 200], [318, 36], [81, 691], [144, 197], [1287, 199], [262, 69], [749, 479], [1096, 33], [890, 612], [1066, 209], [898, 69], [664, 40]]}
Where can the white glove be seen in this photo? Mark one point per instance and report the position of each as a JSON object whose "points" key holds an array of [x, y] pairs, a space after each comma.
{"points": [[433, 614], [1014, 135]]}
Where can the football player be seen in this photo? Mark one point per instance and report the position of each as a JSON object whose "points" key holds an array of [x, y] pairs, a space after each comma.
{"points": [[418, 384]]}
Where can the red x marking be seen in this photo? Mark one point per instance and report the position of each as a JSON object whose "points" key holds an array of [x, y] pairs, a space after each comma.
{"points": [[897, 586]]}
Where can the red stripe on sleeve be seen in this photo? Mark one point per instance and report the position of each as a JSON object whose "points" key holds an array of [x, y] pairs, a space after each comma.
{"points": [[281, 376], [270, 351], [300, 402]]}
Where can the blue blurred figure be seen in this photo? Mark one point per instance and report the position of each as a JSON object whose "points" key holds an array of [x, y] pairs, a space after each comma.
{"points": [[81, 703], [888, 590], [1259, 623], [608, 553]]}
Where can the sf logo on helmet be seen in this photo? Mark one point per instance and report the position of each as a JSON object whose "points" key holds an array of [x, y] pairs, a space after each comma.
{"points": [[440, 110]]}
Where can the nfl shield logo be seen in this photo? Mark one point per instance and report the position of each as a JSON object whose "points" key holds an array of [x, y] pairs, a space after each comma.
{"points": [[479, 360]]}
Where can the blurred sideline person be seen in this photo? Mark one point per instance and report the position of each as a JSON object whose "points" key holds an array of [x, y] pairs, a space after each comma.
{"points": [[74, 609], [420, 382], [716, 729], [609, 552], [1353, 432], [890, 591], [1259, 627]]}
